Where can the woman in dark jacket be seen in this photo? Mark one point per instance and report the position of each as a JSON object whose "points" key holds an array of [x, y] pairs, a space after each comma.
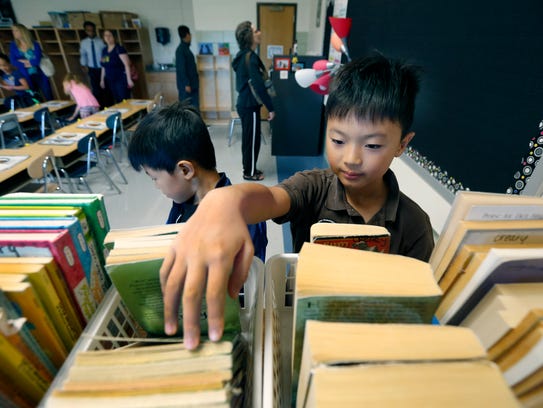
{"points": [[25, 55], [248, 66]]}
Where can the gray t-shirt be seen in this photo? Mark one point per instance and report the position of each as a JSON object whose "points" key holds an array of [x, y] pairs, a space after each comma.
{"points": [[319, 196]]}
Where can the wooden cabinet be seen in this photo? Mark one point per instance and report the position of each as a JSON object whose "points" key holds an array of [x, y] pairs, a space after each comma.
{"points": [[62, 46], [163, 82], [215, 86]]}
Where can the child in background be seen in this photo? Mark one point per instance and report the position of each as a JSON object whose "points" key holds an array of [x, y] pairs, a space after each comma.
{"points": [[86, 103], [369, 114], [172, 145], [13, 80]]}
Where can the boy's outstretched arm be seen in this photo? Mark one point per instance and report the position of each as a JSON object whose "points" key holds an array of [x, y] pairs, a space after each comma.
{"points": [[213, 253]]}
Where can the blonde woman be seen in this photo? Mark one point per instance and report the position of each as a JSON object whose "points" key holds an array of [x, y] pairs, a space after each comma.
{"points": [[115, 69], [25, 55]]}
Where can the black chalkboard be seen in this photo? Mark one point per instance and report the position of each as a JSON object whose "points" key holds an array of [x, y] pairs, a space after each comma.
{"points": [[482, 92]]}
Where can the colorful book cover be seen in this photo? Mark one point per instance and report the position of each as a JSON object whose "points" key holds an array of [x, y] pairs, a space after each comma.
{"points": [[205, 48], [92, 205], [97, 269], [224, 48], [93, 270], [60, 246]]}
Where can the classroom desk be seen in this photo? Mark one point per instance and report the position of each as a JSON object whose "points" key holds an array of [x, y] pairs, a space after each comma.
{"points": [[64, 143], [26, 114], [13, 165]]}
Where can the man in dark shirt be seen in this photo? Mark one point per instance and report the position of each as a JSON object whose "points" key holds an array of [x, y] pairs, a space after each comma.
{"points": [[187, 74]]}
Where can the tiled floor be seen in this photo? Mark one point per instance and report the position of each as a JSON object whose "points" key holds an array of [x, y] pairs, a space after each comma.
{"points": [[140, 203]]}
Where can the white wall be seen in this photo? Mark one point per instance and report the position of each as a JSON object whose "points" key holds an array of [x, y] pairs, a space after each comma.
{"points": [[209, 20]]}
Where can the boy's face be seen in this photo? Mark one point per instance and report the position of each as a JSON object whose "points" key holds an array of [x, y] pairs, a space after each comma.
{"points": [[174, 186], [360, 152]]}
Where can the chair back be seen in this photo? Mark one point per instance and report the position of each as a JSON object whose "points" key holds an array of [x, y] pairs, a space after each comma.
{"points": [[88, 145], [44, 118], [41, 169], [8, 123], [115, 122]]}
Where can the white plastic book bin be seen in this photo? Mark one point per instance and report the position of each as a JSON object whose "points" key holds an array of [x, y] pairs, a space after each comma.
{"points": [[112, 327], [279, 294]]}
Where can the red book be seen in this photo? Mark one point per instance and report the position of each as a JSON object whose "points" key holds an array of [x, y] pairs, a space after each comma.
{"points": [[356, 236]]}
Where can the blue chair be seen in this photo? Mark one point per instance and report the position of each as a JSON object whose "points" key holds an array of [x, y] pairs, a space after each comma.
{"points": [[47, 122], [88, 146], [115, 123]]}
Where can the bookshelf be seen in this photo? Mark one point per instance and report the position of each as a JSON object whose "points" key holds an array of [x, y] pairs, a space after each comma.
{"points": [[215, 86], [62, 46]]}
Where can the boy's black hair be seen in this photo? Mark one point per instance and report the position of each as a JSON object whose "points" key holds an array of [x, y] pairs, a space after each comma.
{"points": [[168, 135], [4, 57], [89, 23], [244, 35], [375, 88], [183, 30]]}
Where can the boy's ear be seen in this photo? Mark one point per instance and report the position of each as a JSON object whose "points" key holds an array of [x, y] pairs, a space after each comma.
{"points": [[187, 169], [404, 142]]}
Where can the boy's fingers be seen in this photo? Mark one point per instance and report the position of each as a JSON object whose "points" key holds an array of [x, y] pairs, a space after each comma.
{"points": [[240, 270], [166, 267], [192, 302], [215, 298], [171, 292]]}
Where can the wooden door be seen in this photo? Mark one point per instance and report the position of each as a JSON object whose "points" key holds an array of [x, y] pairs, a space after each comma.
{"points": [[277, 22]]}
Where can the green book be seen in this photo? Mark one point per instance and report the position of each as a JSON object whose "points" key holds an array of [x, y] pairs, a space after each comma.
{"points": [[337, 284], [138, 284]]}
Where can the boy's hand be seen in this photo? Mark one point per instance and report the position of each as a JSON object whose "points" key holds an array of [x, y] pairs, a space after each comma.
{"points": [[214, 249]]}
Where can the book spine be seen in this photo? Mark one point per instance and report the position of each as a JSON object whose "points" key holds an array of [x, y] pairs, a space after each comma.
{"points": [[44, 330], [21, 372], [10, 396], [99, 223], [70, 309], [54, 307], [24, 333], [100, 280]]}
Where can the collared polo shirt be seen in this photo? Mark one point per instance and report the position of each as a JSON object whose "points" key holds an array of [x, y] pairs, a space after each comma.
{"points": [[319, 196]]}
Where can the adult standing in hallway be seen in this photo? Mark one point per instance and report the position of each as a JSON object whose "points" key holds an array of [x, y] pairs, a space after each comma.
{"points": [[249, 67], [186, 72], [90, 51], [25, 55], [115, 75]]}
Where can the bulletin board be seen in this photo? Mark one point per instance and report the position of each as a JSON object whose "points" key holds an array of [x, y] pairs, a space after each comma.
{"points": [[481, 98]]}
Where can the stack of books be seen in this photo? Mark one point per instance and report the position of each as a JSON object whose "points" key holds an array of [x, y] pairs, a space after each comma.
{"points": [[52, 278], [337, 284], [489, 263], [158, 375], [360, 364], [165, 375]]}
